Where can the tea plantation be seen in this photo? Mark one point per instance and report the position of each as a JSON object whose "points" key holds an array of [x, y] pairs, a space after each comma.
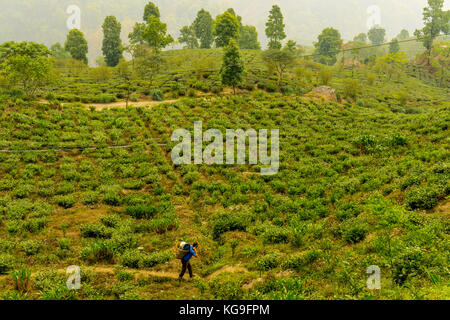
{"points": [[362, 182]]}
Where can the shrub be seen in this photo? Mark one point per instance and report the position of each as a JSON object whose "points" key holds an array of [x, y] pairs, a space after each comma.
{"points": [[7, 262], [348, 210], [156, 95], [131, 259], [100, 251], [124, 276], [267, 262], [295, 262], [325, 75], [423, 198], [93, 230], [354, 230], [275, 235], [226, 286], [31, 247], [64, 244], [351, 88], [67, 201], [89, 198], [141, 211], [22, 279], [371, 78], [111, 220], [225, 222], [409, 263], [156, 258]]}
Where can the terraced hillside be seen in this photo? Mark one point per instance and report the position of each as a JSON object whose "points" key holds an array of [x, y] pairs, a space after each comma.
{"points": [[360, 184]]}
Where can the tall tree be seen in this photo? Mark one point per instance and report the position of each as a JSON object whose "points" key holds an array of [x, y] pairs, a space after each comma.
{"points": [[249, 38], [403, 35], [436, 21], [394, 46], [151, 10], [204, 29], [58, 52], [328, 46], [112, 44], [275, 28], [279, 61], [233, 66], [187, 36], [77, 45], [226, 28], [25, 64], [155, 34], [125, 74], [362, 37], [376, 35]]}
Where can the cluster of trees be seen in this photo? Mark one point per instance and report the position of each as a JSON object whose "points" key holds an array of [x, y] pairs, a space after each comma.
{"points": [[205, 31], [29, 64]]}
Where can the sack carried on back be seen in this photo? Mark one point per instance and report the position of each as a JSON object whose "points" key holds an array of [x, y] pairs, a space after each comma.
{"points": [[182, 250]]}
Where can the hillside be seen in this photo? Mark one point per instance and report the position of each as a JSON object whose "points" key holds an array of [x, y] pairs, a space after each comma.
{"points": [[362, 182]]}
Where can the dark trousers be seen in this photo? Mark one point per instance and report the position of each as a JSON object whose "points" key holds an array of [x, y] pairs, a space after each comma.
{"points": [[185, 265]]}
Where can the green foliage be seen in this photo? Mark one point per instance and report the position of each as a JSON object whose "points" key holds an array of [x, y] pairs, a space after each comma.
{"points": [[376, 35], [328, 46], [275, 28], [325, 75], [408, 264], [155, 34], [77, 45], [267, 262], [394, 46], [112, 44], [421, 197], [151, 9], [7, 262], [354, 230], [31, 247], [187, 36], [92, 230], [279, 61], [233, 66], [249, 38], [225, 222], [22, 279], [226, 28], [226, 287], [204, 29], [351, 88], [25, 64], [436, 21]]}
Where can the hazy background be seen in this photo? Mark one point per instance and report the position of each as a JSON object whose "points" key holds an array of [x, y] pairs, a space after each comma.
{"points": [[44, 21]]}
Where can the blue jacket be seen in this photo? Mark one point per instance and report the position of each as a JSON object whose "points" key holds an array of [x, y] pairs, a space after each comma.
{"points": [[189, 255]]}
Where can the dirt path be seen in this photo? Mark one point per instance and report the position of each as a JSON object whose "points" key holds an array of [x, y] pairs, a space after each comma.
{"points": [[122, 104]]}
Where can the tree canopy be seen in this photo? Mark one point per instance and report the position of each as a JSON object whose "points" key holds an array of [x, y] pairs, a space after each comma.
{"points": [[233, 66], [204, 29], [226, 28], [112, 44], [328, 46], [275, 28], [77, 45]]}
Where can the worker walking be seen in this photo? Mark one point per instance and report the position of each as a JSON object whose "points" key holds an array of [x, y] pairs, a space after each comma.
{"points": [[185, 261]]}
